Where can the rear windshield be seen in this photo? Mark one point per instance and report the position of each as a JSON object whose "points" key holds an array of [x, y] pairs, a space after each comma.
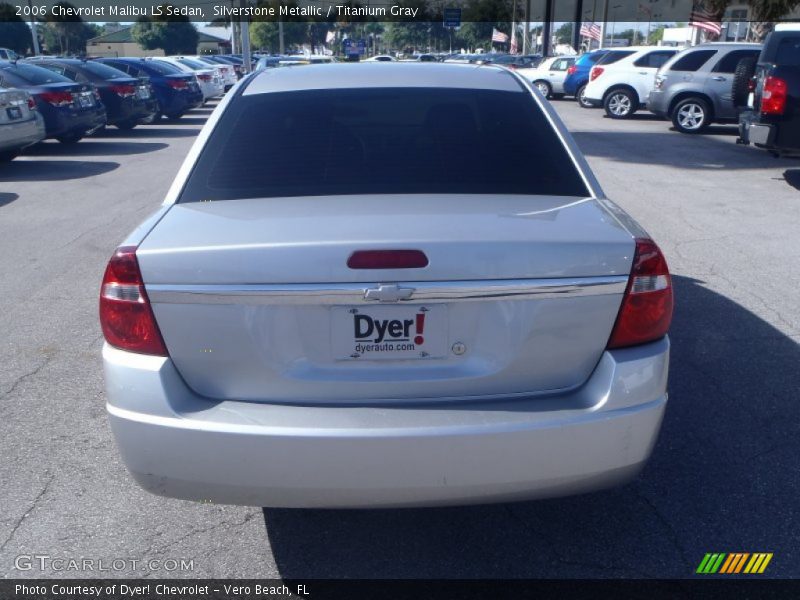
{"points": [[37, 75], [193, 63], [383, 141], [103, 71], [162, 68], [788, 52]]}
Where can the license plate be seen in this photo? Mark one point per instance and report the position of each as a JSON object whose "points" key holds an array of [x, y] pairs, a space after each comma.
{"points": [[143, 93], [85, 101], [14, 112], [389, 332]]}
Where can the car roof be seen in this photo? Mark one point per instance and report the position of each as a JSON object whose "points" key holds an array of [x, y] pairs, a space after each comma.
{"points": [[386, 75]]}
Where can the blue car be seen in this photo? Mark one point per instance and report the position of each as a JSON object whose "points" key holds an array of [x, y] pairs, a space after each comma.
{"points": [[578, 75], [70, 110], [176, 91]]}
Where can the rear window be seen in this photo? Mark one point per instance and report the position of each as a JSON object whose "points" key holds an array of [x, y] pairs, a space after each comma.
{"points": [[102, 70], [591, 58], [37, 75], [195, 64], [383, 141], [162, 68], [614, 56], [692, 61], [655, 59], [729, 62], [788, 52]]}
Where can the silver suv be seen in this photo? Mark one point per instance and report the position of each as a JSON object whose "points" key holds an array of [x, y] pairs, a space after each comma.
{"points": [[694, 88]]}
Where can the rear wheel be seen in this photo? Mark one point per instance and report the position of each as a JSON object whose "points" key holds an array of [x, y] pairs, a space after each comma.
{"points": [[740, 89], [580, 96], [544, 88], [620, 104], [691, 115], [73, 138]]}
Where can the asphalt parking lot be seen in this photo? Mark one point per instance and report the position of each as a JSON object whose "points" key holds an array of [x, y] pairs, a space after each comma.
{"points": [[723, 476]]}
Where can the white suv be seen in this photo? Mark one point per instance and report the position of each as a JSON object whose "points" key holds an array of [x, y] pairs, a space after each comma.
{"points": [[621, 81]]}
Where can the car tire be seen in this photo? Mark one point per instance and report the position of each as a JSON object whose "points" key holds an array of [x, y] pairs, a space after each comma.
{"points": [[580, 97], [70, 139], [620, 103], [127, 125], [544, 88], [8, 155], [691, 115], [740, 88]]}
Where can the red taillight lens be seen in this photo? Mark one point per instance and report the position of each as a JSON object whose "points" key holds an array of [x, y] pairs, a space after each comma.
{"points": [[57, 98], [387, 259], [646, 310], [571, 70], [773, 97], [125, 314], [177, 84], [125, 91], [204, 77], [595, 73], [31, 104]]}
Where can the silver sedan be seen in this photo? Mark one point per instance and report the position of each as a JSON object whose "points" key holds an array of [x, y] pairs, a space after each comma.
{"points": [[21, 125], [387, 322]]}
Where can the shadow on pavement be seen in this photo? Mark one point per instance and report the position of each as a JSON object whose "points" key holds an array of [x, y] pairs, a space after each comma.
{"points": [[146, 131], [723, 478], [673, 149], [792, 177], [54, 170], [6, 197], [90, 147], [188, 121]]}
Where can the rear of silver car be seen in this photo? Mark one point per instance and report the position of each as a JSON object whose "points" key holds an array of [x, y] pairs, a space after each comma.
{"points": [[348, 336], [21, 125]]}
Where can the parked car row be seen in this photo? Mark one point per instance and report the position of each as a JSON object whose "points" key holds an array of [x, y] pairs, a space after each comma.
{"points": [[68, 98], [718, 82]]}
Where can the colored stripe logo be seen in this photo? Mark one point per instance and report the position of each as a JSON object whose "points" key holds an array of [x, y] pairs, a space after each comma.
{"points": [[732, 563]]}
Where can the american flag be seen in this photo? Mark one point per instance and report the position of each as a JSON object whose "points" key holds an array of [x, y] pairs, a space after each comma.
{"points": [[591, 30], [499, 36], [704, 19]]}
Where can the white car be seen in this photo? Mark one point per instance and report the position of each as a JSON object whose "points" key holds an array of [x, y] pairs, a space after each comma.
{"points": [[207, 77], [549, 76], [229, 77], [381, 58], [622, 80], [347, 331]]}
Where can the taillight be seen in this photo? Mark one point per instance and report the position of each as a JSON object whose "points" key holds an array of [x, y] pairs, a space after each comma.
{"points": [[595, 73], [646, 310], [773, 97], [125, 91], [57, 98], [177, 84], [125, 314], [204, 77], [571, 70], [31, 103], [387, 259]]}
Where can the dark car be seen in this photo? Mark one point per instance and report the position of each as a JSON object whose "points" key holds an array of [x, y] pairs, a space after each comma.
{"points": [[128, 100], [176, 91], [578, 75], [772, 119], [71, 110]]}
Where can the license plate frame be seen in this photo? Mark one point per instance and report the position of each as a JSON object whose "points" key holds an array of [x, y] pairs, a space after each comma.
{"points": [[14, 113], [384, 332], [85, 101]]}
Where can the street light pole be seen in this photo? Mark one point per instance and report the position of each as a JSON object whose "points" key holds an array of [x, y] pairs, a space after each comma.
{"points": [[34, 33]]}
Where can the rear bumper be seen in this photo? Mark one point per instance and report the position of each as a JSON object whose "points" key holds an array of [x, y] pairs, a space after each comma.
{"points": [[178, 444], [658, 103], [69, 122], [19, 135]]}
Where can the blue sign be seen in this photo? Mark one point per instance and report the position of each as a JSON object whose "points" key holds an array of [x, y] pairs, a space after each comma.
{"points": [[354, 46], [452, 17]]}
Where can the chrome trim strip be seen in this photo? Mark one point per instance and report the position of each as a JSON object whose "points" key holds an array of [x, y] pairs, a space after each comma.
{"points": [[353, 293]]}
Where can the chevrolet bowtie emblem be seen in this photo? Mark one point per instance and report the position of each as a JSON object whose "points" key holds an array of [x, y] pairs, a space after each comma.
{"points": [[388, 293]]}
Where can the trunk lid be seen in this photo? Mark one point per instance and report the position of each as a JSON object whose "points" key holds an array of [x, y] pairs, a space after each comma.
{"points": [[256, 302]]}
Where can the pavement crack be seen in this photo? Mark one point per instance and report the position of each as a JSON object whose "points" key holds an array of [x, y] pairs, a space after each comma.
{"points": [[25, 376], [671, 533], [155, 552], [19, 521]]}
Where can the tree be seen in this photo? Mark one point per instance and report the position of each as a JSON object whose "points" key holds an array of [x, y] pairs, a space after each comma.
{"points": [[14, 33], [172, 33], [564, 34], [66, 34]]}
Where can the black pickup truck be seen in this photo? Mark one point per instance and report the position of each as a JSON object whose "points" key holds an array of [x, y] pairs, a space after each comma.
{"points": [[772, 118]]}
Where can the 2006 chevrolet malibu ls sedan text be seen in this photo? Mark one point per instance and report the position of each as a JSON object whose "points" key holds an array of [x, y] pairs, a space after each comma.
{"points": [[345, 301]]}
